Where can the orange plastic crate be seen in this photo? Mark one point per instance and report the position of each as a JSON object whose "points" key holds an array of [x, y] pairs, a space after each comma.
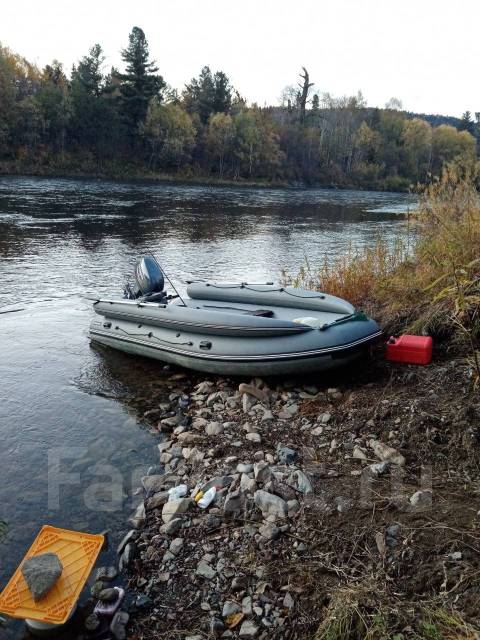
{"points": [[77, 552]]}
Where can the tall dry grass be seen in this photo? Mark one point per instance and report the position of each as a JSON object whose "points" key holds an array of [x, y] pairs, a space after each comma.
{"points": [[359, 275], [435, 287]]}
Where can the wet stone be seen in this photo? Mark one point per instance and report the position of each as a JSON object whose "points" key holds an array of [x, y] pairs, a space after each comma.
{"points": [[92, 622], [108, 595], [119, 624], [96, 588]]}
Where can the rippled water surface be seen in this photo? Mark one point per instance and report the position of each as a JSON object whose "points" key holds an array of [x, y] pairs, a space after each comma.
{"points": [[62, 240]]}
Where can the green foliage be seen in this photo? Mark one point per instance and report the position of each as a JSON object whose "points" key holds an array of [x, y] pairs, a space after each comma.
{"points": [[140, 82], [130, 118], [208, 94], [170, 134]]}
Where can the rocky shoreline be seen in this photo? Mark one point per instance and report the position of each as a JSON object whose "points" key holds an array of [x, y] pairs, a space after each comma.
{"points": [[318, 490]]}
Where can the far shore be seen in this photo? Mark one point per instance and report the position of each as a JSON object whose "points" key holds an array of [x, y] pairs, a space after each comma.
{"points": [[134, 174]]}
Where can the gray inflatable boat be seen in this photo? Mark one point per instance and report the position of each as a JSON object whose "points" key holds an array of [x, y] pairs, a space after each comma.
{"points": [[233, 328]]}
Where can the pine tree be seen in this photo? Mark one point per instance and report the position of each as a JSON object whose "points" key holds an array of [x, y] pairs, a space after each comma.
{"points": [[466, 123], [140, 82], [223, 93], [208, 94]]}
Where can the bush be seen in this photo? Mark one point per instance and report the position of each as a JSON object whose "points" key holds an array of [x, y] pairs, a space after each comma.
{"points": [[435, 288]]}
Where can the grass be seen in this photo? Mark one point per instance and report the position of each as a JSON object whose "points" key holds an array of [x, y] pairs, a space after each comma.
{"points": [[350, 616], [434, 289]]}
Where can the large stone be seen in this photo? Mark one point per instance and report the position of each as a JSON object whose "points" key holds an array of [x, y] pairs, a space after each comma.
{"points": [[260, 394], [234, 502], [230, 608], [270, 505], [214, 429], [41, 573], [285, 454], [248, 630], [247, 484], [422, 499], [262, 472], [106, 573], [205, 570], [189, 437], [176, 546], [137, 520], [219, 481], [386, 453], [126, 539], [175, 508], [300, 481], [156, 501], [108, 595], [163, 446], [118, 625], [171, 527]]}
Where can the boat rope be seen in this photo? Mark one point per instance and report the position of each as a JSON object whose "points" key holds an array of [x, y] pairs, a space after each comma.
{"points": [[358, 315], [245, 285], [151, 335]]}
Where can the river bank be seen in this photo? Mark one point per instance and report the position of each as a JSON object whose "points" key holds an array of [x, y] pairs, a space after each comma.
{"points": [[132, 173], [342, 504]]}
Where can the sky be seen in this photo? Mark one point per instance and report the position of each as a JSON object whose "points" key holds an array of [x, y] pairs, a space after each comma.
{"points": [[424, 52]]}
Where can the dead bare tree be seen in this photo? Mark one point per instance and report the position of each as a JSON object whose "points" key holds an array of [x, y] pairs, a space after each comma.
{"points": [[305, 87]]}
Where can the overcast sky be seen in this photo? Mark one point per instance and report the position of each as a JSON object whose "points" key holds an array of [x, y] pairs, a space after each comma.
{"points": [[425, 52]]}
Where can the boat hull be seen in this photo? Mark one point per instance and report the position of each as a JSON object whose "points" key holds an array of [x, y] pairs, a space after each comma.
{"points": [[177, 350]]}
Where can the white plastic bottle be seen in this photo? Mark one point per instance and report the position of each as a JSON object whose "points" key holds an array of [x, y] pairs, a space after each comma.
{"points": [[207, 498]]}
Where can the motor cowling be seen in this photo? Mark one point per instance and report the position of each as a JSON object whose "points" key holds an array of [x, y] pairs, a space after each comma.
{"points": [[149, 276]]}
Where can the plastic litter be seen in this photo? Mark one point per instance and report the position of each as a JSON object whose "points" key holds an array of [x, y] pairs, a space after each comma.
{"points": [[175, 493], [207, 498]]}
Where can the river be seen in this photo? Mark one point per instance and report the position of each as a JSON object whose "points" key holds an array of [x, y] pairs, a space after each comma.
{"points": [[63, 240]]}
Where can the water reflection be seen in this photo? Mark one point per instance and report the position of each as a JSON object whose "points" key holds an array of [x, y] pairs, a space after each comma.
{"points": [[61, 240]]}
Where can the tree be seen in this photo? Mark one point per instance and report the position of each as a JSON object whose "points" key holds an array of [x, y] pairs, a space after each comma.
{"points": [[417, 145], [53, 101], [170, 134], [222, 100], [450, 144], [207, 94], [305, 87], [94, 122], [394, 104], [219, 137], [466, 123], [140, 82], [367, 143]]}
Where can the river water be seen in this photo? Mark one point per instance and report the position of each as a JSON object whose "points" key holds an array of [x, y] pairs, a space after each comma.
{"points": [[61, 240]]}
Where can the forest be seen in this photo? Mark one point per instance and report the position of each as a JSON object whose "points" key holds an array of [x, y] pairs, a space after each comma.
{"points": [[131, 123]]}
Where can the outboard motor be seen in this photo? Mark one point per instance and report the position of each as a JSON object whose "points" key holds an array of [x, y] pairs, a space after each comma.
{"points": [[149, 276], [149, 281]]}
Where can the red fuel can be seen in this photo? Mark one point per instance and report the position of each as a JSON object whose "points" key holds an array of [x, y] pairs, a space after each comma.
{"points": [[410, 349]]}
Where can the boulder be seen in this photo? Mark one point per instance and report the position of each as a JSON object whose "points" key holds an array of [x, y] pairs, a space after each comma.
{"points": [[174, 508], [270, 505]]}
